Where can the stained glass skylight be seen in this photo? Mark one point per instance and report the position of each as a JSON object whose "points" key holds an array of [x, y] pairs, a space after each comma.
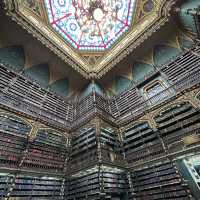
{"points": [[91, 25]]}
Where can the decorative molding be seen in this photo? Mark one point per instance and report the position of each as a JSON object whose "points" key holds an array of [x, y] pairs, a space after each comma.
{"points": [[190, 97], [34, 130], [149, 117]]}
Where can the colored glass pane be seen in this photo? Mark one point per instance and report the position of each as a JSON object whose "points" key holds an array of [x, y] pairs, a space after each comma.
{"points": [[91, 25]]}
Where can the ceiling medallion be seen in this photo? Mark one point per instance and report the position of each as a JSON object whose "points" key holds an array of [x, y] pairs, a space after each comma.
{"points": [[91, 35]]}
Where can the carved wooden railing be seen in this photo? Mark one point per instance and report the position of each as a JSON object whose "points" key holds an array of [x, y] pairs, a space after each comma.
{"points": [[23, 95]]}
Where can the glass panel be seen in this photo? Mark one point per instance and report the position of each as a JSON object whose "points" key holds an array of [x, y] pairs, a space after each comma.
{"points": [[91, 25]]}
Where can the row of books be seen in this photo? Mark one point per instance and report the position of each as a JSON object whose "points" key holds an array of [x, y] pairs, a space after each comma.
{"points": [[6, 180], [11, 149], [83, 185], [88, 146], [114, 181], [83, 136], [158, 181], [47, 151], [83, 160], [141, 142], [177, 122], [13, 125], [109, 138], [51, 137], [28, 187], [181, 66], [174, 123], [103, 180], [19, 91], [45, 157], [31, 98]]}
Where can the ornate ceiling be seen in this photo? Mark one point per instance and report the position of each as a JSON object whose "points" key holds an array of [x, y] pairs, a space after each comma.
{"points": [[92, 25], [90, 35]]}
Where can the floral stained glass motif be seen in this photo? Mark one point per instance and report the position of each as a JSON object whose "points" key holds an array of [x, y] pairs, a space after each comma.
{"points": [[91, 25]]}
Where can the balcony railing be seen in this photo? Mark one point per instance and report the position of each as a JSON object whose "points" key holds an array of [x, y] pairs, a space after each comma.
{"points": [[19, 93]]}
